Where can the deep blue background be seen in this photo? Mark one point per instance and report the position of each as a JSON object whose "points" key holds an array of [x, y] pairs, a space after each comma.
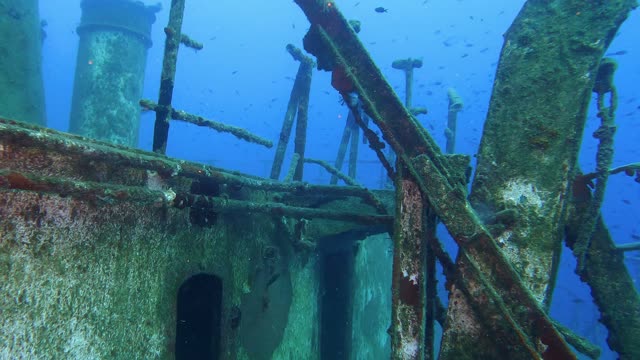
{"points": [[244, 76]]}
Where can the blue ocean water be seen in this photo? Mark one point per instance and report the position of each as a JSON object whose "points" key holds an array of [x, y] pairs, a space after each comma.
{"points": [[243, 77]]}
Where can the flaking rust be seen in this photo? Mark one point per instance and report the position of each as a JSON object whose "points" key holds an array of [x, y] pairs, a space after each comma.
{"points": [[407, 334]]}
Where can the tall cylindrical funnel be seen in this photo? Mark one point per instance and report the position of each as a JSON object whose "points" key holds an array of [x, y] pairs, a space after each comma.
{"points": [[21, 87], [112, 55]]}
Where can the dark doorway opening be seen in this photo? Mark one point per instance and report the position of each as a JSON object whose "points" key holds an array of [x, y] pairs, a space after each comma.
{"points": [[199, 318], [336, 303]]}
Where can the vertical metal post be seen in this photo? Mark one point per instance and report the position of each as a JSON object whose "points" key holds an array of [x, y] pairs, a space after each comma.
{"points": [[430, 285], [301, 86], [455, 105], [344, 143], [167, 80], [407, 315], [353, 150], [300, 140]]}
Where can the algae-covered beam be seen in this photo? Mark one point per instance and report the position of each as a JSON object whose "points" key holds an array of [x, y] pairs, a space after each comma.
{"points": [[431, 286], [93, 192], [225, 205], [372, 138], [89, 155], [371, 199], [455, 105], [190, 43], [353, 150], [604, 154], [532, 137], [295, 161], [301, 86], [300, 140], [173, 32], [521, 322], [106, 194], [407, 289], [634, 246], [612, 288], [580, 343], [342, 148], [238, 132], [632, 169], [333, 171]]}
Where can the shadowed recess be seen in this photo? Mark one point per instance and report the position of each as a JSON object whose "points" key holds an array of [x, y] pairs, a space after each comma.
{"points": [[199, 317]]}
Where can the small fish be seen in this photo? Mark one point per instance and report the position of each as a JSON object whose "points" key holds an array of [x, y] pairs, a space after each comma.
{"points": [[617, 53], [381, 10], [576, 300], [635, 237]]}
